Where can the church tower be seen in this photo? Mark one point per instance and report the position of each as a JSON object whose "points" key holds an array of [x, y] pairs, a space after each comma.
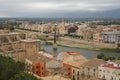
{"points": [[62, 27]]}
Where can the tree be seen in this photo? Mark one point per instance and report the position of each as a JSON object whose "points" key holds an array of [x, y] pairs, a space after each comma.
{"points": [[118, 58], [24, 76], [112, 58], [106, 58], [9, 67], [101, 56], [12, 28]]}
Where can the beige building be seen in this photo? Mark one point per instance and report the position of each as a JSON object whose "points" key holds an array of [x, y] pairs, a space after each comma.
{"points": [[72, 61], [17, 46], [40, 63], [98, 37], [87, 33], [89, 69], [109, 71], [38, 27], [62, 29]]}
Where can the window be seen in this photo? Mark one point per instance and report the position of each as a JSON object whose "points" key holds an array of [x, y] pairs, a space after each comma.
{"points": [[100, 70], [100, 75], [37, 67], [42, 68], [88, 69], [78, 78], [73, 77], [68, 73], [37, 72], [68, 68], [94, 70], [73, 71], [78, 73]]}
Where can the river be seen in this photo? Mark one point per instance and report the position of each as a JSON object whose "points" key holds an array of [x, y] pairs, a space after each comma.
{"points": [[89, 54]]}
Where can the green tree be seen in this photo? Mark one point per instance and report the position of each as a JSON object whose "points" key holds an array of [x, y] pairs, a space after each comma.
{"points": [[112, 58], [118, 58], [101, 56], [106, 58], [24, 76], [9, 68], [12, 28]]}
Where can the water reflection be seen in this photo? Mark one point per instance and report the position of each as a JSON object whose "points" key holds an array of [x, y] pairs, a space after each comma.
{"points": [[90, 54]]}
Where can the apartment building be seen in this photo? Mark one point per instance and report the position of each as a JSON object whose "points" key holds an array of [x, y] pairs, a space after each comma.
{"points": [[17, 46], [36, 64], [71, 60], [109, 71], [40, 63], [111, 37], [89, 69]]}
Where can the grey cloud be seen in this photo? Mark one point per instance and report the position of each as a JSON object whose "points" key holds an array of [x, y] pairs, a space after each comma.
{"points": [[26, 7]]}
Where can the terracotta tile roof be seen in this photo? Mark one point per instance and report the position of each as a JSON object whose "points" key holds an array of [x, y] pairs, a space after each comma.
{"points": [[93, 63], [38, 58], [73, 58]]}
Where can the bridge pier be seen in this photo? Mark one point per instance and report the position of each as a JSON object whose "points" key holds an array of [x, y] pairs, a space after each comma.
{"points": [[55, 46]]}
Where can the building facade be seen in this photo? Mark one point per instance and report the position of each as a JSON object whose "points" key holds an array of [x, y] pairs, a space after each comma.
{"points": [[71, 61], [89, 69], [17, 46], [111, 37], [109, 71]]}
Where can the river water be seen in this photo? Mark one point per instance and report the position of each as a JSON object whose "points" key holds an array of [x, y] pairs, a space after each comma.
{"points": [[89, 54]]}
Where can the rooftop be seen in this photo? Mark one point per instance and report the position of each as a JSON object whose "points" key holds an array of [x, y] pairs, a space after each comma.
{"points": [[113, 65], [93, 63], [73, 58], [39, 58]]}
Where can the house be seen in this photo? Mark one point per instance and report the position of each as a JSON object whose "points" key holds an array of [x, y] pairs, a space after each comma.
{"points": [[89, 69], [71, 60], [37, 64], [109, 71], [98, 37], [41, 62]]}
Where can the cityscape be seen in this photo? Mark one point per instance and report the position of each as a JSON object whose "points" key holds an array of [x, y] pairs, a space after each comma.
{"points": [[59, 40]]}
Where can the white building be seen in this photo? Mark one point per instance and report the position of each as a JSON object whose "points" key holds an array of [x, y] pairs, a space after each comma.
{"points": [[111, 37], [109, 71]]}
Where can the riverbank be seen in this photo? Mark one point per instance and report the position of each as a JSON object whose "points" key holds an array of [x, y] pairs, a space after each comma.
{"points": [[79, 44]]}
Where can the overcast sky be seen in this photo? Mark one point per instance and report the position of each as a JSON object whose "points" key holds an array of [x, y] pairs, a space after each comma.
{"points": [[22, 8]]}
